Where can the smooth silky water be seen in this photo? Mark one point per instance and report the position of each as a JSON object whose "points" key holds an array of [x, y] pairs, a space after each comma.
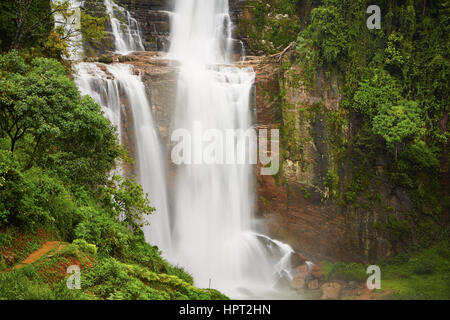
{"points": [[213, 236]]}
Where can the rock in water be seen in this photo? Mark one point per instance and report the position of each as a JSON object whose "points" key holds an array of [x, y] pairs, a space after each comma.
{"points": [[301, 271], [297, 259]]}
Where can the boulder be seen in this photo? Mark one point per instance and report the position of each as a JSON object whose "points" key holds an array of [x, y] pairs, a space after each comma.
{"points": [[330, 291], [298, 283], [301, 271], [313, 284], [297, 259], [317, 271]]}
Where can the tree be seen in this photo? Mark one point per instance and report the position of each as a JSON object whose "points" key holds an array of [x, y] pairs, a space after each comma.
{"points": [[64, 131], [27, 20], [397, 122], [12, 121], [38, 99], [30, 24], [328, 30], [381, 89], [129, 201]]}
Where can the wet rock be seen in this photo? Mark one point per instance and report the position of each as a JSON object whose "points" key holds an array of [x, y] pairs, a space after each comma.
{"points": [[301, 271], [154, 22], [317, 271], [106, 59], [330, 291], [297, 259]]}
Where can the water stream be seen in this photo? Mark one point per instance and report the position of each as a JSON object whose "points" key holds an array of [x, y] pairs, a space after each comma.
{"points": [[125, 29]]}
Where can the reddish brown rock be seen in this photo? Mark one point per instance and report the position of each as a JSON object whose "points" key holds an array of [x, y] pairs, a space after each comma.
{"points": [[301, 271], [317, 271], [297, 259], [298, 207]]}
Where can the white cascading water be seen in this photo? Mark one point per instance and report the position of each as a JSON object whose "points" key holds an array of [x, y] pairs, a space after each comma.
{"points": [[149, 158], [212, 231], [125, 29], [110, 89], [92, 81]]}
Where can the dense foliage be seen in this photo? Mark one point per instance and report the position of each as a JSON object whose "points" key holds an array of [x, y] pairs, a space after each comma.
{"points": [[395, 94], [391, 131], [57, 150], [57, 153], [395, 82]]}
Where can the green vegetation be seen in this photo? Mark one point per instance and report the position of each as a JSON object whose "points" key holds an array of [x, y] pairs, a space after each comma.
{"points": [[103, 277], [56, 152], [272, 25], [387, 84], [344, 271], [391, 128], [93, 28], [423, 275], [389, 131]]}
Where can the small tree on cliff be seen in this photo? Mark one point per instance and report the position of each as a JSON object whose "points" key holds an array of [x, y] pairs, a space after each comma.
{"points": [[395, 123]]}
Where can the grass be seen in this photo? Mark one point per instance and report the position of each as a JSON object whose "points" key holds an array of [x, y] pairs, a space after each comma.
{"points": [[102, 277], [423, 275]]}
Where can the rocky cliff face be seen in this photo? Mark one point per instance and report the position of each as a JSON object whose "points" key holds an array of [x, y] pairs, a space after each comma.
{"points": [[301, 203], [319, 203], [154, 20]]}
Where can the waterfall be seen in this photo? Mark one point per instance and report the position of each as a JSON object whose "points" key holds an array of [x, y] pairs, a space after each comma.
{"points": [[92, 81], [213, 235], [149, 157], [116, 87], [125, 29]]}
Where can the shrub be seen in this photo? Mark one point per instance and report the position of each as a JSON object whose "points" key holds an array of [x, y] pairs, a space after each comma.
{"points": [[422, 267]]}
